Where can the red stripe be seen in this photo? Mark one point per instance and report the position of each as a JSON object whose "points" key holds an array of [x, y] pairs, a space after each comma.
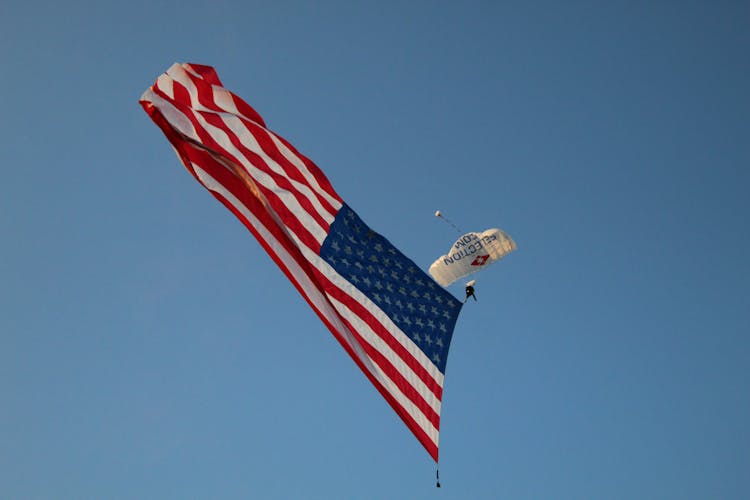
{"points": [[207, 140], [281, 180], [208, 77], [207, 73], [312, 167], [180, 94], [392, 373], [292, 171], [191, 154], [360, 310], [255, 160], [205, 95]]}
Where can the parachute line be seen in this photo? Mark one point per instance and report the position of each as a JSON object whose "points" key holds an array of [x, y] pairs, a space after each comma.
{"points": [[440, 215]]}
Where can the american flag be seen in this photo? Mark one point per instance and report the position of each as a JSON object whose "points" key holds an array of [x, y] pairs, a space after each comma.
{"points": [[391, 317]]}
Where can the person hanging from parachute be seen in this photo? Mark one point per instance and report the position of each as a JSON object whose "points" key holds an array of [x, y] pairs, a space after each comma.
{"points": [[470, 291]]}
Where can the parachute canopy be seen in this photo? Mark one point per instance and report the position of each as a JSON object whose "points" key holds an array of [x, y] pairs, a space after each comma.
{"points": [[472, 252]]}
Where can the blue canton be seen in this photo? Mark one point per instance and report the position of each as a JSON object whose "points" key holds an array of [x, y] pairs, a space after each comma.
{"points": [[420, 307]]}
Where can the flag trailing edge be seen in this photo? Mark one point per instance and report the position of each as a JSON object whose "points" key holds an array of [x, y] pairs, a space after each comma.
{"points": [[391, 317]]}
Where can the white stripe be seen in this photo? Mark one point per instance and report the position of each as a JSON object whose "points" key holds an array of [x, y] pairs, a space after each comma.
{"points": [[373, 339], [179, 74], [297, 162], [183, 125], [265, 180], [392, 388], [321, 305], [342, 284], [221, 96], [300, 276], [164, 83], [223, 99], [246, 137], [174, 116], [369, 336], [190, 70], [249, 141]]}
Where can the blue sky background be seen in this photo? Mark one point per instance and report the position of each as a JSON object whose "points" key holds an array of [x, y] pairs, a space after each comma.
{"points": [[150, 349]]}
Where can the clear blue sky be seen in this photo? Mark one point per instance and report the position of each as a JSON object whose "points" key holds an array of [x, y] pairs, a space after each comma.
{"points": [[150, 349]]}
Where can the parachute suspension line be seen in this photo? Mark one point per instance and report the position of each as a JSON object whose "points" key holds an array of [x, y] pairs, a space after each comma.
{"points": [[440, 215]]}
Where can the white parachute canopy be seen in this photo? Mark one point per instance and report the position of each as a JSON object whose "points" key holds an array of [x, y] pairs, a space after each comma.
{"points": [[472, 252]]}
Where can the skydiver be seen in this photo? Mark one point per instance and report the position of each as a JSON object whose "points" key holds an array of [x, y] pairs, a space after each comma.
{"points": [[469, 292]]}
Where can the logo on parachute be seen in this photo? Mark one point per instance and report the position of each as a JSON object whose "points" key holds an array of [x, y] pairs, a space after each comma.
{"points": [[480, 260]]}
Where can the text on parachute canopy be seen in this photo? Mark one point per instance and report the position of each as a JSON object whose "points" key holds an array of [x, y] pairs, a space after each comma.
{"points": [[469, 244]]}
